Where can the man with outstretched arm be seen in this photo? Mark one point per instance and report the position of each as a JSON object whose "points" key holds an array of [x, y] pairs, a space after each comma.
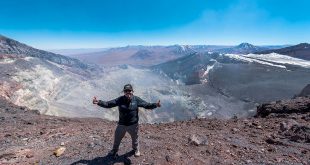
{"points": [[128, 105]]}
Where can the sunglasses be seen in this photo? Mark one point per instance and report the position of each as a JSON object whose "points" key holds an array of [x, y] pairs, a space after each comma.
{"points": [[127, 91]]}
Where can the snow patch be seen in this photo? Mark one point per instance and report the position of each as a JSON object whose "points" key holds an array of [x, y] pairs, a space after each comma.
{"points": [[28, 58], [280, 59], [244, 58], [208, 70], [205, 74], [182, 47]]}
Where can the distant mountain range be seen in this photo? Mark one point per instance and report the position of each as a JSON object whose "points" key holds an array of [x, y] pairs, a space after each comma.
{"points": [[301, 51], [153, 55], [70, 52], [136, 55]]}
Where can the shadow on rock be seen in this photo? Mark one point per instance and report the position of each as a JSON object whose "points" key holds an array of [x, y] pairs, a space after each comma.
{"points": [[107, 160]]}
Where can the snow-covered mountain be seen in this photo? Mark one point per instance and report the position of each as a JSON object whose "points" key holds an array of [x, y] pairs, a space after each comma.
{"points": [[243, 48], [301, 51]]}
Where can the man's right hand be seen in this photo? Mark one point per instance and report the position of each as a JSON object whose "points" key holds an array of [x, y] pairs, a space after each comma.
{"points": [[95, 101]]}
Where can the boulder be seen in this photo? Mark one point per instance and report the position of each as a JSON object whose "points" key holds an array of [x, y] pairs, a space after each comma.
{"points": [[59, 151], [197, 140]]}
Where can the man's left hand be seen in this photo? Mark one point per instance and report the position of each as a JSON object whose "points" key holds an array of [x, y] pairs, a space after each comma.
{"points": [[158, 103]]}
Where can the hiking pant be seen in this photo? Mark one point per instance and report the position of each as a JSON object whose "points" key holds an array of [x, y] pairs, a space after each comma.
{"points": [[120, 132]]}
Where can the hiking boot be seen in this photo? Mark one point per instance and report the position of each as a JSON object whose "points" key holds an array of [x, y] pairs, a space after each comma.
{"points": [[113, 154], [137, 153]]}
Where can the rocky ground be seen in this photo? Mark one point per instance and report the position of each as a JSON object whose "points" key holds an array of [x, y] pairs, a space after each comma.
{"points": [[26, 137]]}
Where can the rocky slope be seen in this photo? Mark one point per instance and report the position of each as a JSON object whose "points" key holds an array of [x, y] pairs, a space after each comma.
{"points": [[11, 48], [249, 78], [29, 138], [305, 91], [38, 79]]}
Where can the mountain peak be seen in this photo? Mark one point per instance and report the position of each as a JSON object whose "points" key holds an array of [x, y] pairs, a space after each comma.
{"points": [[304, 45], [245, 45], [243, 48]]}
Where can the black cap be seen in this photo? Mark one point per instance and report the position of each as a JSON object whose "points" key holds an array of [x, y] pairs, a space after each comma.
{"points": [[127, 87]]}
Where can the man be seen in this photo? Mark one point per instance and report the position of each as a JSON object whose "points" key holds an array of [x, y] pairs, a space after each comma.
{"points": [[128, 105]]}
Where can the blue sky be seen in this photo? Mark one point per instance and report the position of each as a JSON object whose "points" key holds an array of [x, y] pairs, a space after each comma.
{"points": [[53, 24]]}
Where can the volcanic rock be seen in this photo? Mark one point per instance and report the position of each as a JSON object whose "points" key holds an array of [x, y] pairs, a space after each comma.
{"points": [[296, 105]]}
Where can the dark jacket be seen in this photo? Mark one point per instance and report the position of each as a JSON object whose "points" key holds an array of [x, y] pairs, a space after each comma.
{"points": [[128, 109]]}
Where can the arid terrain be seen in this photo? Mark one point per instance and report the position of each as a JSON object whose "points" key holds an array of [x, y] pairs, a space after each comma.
{"points": [[208, 103], [26, 137]]}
